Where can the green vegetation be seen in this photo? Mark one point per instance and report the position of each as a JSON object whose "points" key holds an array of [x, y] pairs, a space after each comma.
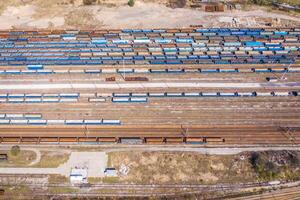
{"points": [[57, 178], [273, 165], [131, 3], [269, 2], [22, 159], [266, 170], [15, 150], [180, 167], [62, 190], [95, 180], [88, 2], [52, 160], [17, 191]]}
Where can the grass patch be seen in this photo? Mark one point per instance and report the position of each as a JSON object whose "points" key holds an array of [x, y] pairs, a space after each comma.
{"points": [[52, 159], [6, 3], [57, 178], [194, 168], [180, 167], [23, 159], [96, 180], [273, 165], [62, 190], [82, 18]]}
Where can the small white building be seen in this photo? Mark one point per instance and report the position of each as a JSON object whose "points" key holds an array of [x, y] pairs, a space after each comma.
{"points": [[78, 175]]}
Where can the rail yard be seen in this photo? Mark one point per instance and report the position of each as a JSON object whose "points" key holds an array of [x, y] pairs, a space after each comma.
{"points": [[214, 86]]}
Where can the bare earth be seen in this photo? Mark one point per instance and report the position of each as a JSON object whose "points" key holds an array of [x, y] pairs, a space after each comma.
{"points": [[142, 15]]}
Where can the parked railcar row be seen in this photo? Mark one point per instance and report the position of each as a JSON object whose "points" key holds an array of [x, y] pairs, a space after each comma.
{"points": [[128, 100], [168, 30], [112, 140], [70, 35], [40, 95], [153, 60], [128, 96], [203, 46], [167, 70], [20, 116], [58, 122], [39, 98]]}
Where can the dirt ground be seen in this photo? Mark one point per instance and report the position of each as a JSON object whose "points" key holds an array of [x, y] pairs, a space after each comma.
{"points": [[189, 168], [175, 167], [24, 158], [28, 14]]}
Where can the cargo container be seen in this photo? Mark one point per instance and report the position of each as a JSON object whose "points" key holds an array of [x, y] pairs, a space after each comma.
{"points": [[209, 94], [50, 95], [194, 140], [32, 100], [245, 94], [111, 122], [68, 139], [19, 121], [50, 100], [14, 116], [15, 100], [158, 70], [151, 94], [37, 122], [280, 93], [174, 140], [214, 140], [138, 99], [228, 94], [4, 121], [16, 95], [139, 94], [68, 100], [93, 122], [173, 94], [52, 121], [191, 94], [3, 96], [92, 71], [107, 140], [29, 140], [33, 95], [154, 140], [10, 140], [35, 67], [33, 116], [74, 122], [69, 95], [263, 94], [121, 94], [120, 99], [131, 141]]}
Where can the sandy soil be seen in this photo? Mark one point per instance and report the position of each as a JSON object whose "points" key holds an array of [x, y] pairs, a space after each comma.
{"points": [[142, 15]]}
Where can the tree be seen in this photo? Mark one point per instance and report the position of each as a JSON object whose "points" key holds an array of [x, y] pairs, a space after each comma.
{"points": [[88, 2], [131, 3], [15, 150]]}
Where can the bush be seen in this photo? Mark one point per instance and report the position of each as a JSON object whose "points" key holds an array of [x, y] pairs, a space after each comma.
{"points": [[131, 3], [88, 2], [262, 2], [15, 150], [265, 169]]}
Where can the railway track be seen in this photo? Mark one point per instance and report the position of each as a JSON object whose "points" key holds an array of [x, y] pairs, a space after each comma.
{"points": [[150, 134]]}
